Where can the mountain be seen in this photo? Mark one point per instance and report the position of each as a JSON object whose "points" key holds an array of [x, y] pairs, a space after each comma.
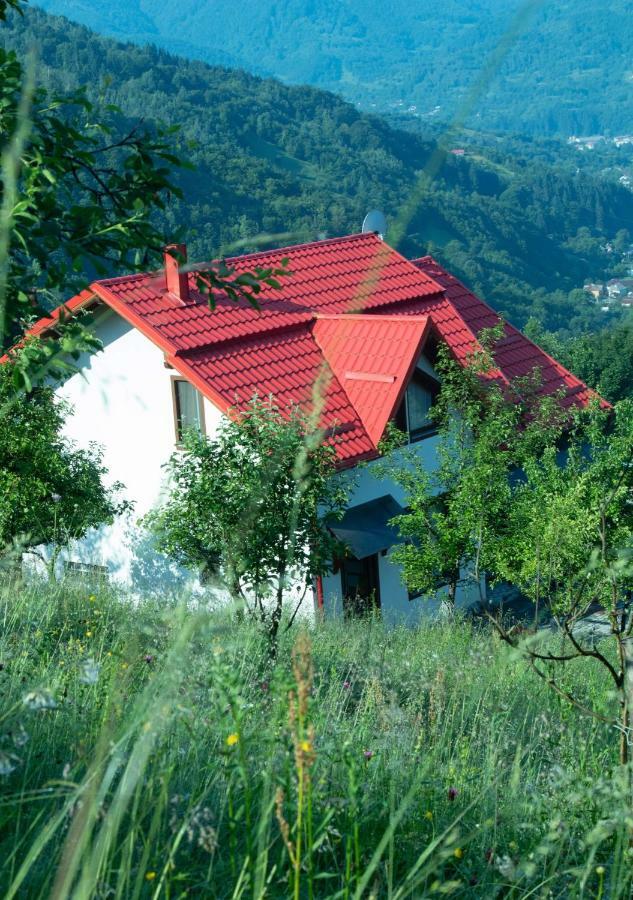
{"points": [[296, 163], [560, 67]]}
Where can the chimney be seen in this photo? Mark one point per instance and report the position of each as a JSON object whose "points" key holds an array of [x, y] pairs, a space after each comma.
{"points": [[177, 283]]}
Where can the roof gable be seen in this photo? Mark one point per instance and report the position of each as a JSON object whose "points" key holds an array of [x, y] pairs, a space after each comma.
{"points": [[373, 358]]}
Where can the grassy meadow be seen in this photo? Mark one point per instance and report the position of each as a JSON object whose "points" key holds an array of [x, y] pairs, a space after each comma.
{"points": [[152, 751]]}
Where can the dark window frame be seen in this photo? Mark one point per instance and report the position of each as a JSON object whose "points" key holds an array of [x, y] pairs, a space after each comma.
{"points": [[178, 429], [401, 418]]}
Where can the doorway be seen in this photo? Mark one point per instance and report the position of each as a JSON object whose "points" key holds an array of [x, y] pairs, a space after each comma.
{"points": [[360, 585]]}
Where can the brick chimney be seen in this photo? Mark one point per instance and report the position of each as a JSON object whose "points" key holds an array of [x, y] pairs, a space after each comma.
{"points": [[176, 281]]}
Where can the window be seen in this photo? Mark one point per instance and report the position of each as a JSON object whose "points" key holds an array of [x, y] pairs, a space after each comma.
{"points": [[413, 414], [188, 412]]}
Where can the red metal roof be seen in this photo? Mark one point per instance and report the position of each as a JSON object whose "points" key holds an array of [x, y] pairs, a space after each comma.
{"points": [[340, 338], [372, 357]]}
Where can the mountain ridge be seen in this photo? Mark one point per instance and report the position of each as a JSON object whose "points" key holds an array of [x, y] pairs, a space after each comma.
{"points": [[296, 163], [550, 69]]}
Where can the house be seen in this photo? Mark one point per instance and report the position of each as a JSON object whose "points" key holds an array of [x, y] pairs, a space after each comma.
{"points": [[596, 290], [616, 288], [354, 313]]}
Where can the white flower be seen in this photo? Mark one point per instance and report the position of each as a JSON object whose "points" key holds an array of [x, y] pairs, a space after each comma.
{"points": [[39, 700], [8, 763], [20, 738], [506, 867], [90, 671]]}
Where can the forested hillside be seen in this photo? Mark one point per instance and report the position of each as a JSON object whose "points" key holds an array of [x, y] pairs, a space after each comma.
{"points": [[296, 163], [564, 67]]}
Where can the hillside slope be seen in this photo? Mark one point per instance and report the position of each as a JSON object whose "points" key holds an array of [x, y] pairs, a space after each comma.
{"points": [[298, 163], [568, 70]]}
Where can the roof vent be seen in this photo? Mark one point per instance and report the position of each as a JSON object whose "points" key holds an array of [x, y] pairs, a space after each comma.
{"points": [[176, 280]]}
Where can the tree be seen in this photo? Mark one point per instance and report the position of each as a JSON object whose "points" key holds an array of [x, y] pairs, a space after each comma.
{"points": [[454, 510], [250, 504], [51, 492], [536, 495], [79, 190]]}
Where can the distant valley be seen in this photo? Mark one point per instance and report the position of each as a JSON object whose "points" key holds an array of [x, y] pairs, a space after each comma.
{"points": [[562, 67], [294, 163]]}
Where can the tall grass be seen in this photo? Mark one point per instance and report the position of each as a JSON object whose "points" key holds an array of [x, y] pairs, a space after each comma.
{"points": [[152, 752]]}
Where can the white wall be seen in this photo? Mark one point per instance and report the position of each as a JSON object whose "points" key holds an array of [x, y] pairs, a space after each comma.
{"points": [[122, 399]]}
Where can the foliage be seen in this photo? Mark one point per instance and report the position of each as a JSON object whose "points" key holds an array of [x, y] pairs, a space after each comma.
{"points": [[415, 58], [251, 502], [535, 496], [455, 509], [603, 360], [276, 164], [51, 492], [433, 762], [79, 184]]}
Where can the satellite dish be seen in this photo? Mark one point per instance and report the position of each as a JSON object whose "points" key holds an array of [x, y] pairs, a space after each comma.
{"points": [[375, 223]]}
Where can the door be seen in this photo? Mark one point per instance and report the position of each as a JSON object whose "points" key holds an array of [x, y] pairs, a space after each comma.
{"points": [[361, 585]]}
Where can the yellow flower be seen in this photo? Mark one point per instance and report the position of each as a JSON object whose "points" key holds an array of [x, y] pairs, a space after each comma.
{"points": [[600, 870], [458, 852], [89, 634], [150, 876], [232, 739], [124, 665], [306, 746], [428, 815], [92, 598]]}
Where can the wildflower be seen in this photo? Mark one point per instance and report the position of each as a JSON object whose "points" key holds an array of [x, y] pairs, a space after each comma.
{"points": [[150, 876], [368, 754], [56, 498], [8, 763], [149, 659], [232, 739], [458, 852], [92, 599], [428, 815], [21, 737], [89, 634], [90, 672], [306, 746], [506, 867], [264, 686], [513, 845], [39, 700], [346, 685], [600, 870], [452, 793], [124, 665]]}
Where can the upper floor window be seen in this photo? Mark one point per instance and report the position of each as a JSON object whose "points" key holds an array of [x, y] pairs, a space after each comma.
{"points": [[188, 409], [413, 415]]}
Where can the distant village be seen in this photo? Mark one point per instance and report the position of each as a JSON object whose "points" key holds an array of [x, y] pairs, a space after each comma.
{"points": [[613, 294]]}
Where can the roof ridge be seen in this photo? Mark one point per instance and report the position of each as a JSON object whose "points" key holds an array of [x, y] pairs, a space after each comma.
{"points": [[322, 243], [372, 316]]}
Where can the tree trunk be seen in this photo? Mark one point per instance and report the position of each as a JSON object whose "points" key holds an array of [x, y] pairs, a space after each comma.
{"points": [[448, 602], [273, 625], [627, 705]]}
